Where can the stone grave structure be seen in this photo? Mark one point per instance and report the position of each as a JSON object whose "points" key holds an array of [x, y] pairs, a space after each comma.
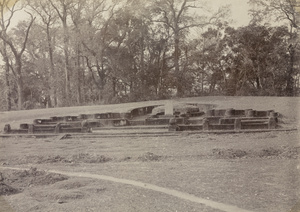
{"points": [[172, 117]]}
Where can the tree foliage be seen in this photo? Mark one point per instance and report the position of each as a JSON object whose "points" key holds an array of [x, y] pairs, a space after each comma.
{"points": [[286, 12], [73, 52]]}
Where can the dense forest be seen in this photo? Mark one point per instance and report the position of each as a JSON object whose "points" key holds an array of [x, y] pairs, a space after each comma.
{"points": [[74, 52]]}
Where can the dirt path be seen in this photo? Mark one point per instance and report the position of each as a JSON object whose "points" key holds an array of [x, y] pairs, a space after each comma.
{"points": [[171, 192]]}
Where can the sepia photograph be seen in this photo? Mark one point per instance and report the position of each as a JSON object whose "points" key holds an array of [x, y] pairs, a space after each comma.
{"points": [[149, 105]]}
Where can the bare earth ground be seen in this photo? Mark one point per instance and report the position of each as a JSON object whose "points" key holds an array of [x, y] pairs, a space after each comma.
{"points": [[188, 172]]}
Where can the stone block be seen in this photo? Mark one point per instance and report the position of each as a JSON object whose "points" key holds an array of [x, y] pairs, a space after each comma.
{"points": [[250, 113], [226, 121], [221, 127], [70, 118], [237, 124], [219, 112], [210, 113], [30, 128], [273, 114], [57, 128], [37, 121], [101, 116], [239, 112], [205, 125], [24, 126], [126, 115], [169, 108], [115, 115], [261, 113], [172, 124], [57, 118], [83, 116], [135, 112], [213, 119], [272, 123], [188, 128], [7, 128], [229, 112]]}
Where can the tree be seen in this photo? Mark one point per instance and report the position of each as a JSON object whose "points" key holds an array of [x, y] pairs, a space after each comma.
{"points": [[210, 62], [94, 39], [258, 56], [62, 8], [5, 24], [176, 16], [16, 48], [287, 12], [48, 19]]}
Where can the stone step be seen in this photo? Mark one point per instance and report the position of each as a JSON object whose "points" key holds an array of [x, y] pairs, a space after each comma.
{"points": [[73, 130], [44, 121], [243, 119], [195, 114], [221, 127], [253, 122], [184, 127], [133, 127], [213, 119], [195, 121], [254, 126], [17, 131], [51, 125], [136, 122], [43, 130], [157, 121]]}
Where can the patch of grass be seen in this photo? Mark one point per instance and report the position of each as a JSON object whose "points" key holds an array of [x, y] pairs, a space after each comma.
{"points": [[148, 156]]}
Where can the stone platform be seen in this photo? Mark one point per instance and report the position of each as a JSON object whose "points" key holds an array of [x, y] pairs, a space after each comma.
{"points": [[185, 117], [228, 119]]}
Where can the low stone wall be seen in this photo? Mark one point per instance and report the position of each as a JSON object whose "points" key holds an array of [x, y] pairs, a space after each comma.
{"points": [[229, 119], [190, 118], [80, 123]]}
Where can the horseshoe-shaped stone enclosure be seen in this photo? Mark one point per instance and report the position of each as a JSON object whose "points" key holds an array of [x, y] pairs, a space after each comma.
{"points": [[177, 117]]}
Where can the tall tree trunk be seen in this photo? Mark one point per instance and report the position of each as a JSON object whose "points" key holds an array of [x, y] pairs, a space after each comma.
{"points": [[78, 77], [176, 63], [114, 84], [202, 82], [65, 5], [142, 62], [290, 79], [8, 92], [66, 66], [7, 83], [20, 85], [52, 71], [258, 83], [83, 80], [17, 54]]}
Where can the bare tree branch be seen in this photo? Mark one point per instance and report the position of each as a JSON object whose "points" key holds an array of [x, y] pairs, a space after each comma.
{"points": [[27, 33]]}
